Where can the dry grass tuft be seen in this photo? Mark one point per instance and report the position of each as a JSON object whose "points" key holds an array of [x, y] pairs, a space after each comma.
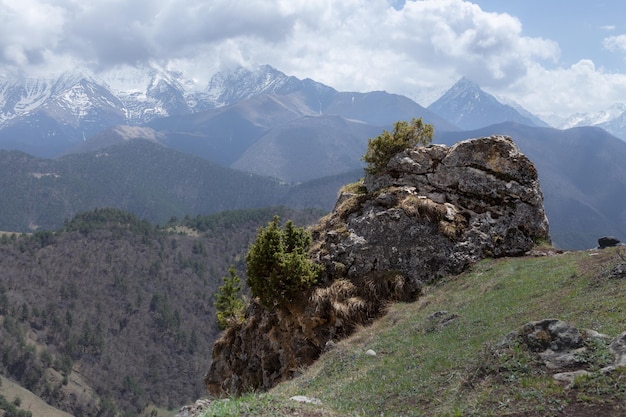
{"points": [[351, 204], [354, 188], [387, 286], [353, 310], [423, 207], [451, 224], [338, 291]]}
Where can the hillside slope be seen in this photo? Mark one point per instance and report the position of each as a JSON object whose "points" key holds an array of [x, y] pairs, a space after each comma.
{"points": [[139, 176], [113, 315], [437, 356], [428, 213]]}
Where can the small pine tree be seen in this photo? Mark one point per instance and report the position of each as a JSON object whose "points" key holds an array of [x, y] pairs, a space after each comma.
{"points": [[405, 135], [279, 270], [229, 303]]}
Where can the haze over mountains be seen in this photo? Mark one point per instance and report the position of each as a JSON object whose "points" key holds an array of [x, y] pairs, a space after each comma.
{"points": [[277, 127]]}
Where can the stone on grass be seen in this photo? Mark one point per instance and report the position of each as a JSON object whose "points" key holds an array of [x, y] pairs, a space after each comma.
{"points": [[305, 399]]}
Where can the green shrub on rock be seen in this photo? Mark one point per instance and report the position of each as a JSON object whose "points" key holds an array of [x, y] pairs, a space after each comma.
{"points": [[405, 135]]}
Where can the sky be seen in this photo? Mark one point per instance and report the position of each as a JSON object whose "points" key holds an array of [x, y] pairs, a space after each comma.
{"points": [[553, 57]]}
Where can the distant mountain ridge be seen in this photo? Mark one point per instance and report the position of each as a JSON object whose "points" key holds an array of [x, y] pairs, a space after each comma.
{"points": [[613, 120], [46, 117], [280, 130], [469, 107], [142, 177]]}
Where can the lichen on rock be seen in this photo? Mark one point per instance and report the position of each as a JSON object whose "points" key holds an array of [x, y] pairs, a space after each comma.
{"points": [[433, 212]]}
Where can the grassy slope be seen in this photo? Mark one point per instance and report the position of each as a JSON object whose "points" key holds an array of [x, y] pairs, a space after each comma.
{"points": [[29, 401], [423, 371]]}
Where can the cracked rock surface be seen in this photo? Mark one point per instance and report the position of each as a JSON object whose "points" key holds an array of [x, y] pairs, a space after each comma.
{"points": [[437, 210]]}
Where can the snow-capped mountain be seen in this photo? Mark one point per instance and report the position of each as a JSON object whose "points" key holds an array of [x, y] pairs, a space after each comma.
{"points": [[593, 119], [613, 120], [151, 92], [73, 94], [229, 87], [467, 106], [46, 117], [140, 94], [616, 126], [241, 83], [21, 96]]}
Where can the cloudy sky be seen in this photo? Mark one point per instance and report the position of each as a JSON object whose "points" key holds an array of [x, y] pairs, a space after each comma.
{"points": [[557, 56]]}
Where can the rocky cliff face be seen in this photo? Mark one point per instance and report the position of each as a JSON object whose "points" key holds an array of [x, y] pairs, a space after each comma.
{"points": [[435, 211]]}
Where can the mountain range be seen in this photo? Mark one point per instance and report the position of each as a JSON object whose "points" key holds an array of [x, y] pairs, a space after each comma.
{"points": [[47, 117], [44, 116], [255, 137]]}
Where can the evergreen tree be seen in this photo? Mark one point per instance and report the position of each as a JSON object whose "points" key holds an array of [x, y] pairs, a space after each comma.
{"points": [[229, 304], [279, 270]]}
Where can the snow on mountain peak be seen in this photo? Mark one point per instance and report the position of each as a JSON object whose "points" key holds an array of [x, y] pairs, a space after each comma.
{"points": [[229, 86]]}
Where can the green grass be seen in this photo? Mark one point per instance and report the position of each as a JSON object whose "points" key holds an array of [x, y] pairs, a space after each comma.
{"points": [[424, 370]]}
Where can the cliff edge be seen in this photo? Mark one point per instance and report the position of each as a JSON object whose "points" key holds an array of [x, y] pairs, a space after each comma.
{"points": [[433, 212]]}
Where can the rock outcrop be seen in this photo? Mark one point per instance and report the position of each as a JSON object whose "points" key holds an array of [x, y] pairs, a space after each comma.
{"points": [[567, 352], [607, 242], [433, 212]]}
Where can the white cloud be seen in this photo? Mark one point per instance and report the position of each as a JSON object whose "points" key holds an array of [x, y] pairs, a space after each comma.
{"points": [[28, 29], [615, 43], [370, 45], [361, 45], [563, 91]]}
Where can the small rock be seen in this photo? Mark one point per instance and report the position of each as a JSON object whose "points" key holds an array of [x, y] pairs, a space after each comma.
{"points": [[551, 334], [305, 399], [569, 377], [194, 410], [370, 352], [440, 319], [560, 360], [607, 242], [619, 271], [618, 349], [437, 315], [589, 333], [330, 345]]}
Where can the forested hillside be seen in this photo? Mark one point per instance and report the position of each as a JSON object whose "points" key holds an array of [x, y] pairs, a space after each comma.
{"points": [[144, 178], [111, 314]]}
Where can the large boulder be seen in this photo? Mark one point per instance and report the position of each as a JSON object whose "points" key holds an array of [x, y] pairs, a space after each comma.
{"points": [[434, 211]]}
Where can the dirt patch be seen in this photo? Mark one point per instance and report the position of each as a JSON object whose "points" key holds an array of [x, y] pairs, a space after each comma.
{"points": [[595, 410]]}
